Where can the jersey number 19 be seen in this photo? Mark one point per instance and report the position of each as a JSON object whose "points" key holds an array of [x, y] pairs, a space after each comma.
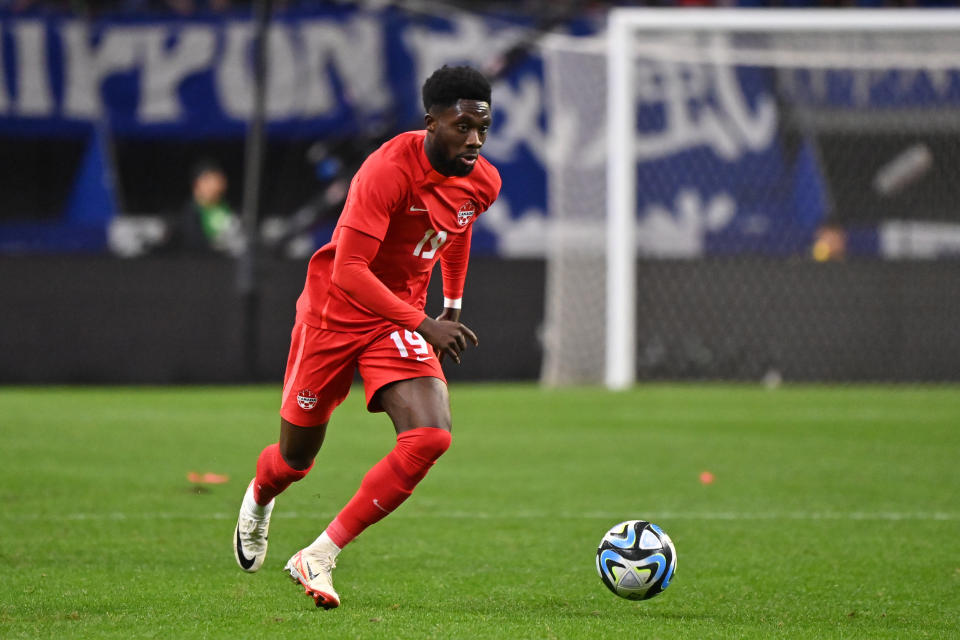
{"points": [[436, 239]]}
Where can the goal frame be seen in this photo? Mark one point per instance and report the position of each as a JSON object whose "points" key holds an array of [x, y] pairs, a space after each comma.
{"points": [[621, 228]]}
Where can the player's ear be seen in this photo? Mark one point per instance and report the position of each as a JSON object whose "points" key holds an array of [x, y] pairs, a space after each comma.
{"points": [[429, 122]]}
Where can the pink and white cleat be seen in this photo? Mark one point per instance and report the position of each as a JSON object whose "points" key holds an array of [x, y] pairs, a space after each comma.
{"points": [[313, 571]]}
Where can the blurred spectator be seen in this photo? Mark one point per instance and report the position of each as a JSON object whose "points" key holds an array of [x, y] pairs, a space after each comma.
{"points": [[207, 223], [829, 243]]}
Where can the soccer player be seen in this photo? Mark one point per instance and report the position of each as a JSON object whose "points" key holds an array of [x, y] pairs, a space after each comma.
{"points": [[412, 203]]}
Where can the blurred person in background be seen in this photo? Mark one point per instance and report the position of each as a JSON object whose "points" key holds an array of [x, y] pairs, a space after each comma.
{"points": [[411, 204], [206, 223]]}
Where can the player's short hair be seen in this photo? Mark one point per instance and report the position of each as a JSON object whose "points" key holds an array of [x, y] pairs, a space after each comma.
{"points": [[449, 84]]}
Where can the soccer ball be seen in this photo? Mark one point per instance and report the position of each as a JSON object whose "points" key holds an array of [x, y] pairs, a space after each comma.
{"points": [[636, 560]]}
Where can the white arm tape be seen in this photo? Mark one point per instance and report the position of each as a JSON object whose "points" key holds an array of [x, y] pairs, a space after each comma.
{"points": [[452, 303]]}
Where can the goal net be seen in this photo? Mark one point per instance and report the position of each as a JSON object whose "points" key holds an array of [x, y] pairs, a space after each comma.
{"points": [[709, 166]]}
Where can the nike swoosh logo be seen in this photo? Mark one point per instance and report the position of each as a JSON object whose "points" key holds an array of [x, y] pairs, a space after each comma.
{"points": [[311, 575], [377, 505], [245, 562], [418, 209], [422, 358]]}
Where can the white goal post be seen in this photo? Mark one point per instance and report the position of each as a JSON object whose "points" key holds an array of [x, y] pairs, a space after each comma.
{"points": [[622, 45]]}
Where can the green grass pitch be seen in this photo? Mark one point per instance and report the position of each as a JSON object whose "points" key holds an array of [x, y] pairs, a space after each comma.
{"points": [[834, 513]]}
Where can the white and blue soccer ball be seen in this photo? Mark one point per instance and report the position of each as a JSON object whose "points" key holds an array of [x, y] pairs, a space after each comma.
{"points": [[636, 560]]}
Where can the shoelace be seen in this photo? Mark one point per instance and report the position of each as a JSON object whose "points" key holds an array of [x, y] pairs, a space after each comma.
{"points": [[254, 529], [325, 562]]}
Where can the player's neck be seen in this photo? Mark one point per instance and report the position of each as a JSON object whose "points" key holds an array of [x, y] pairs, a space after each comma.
{"points": [[433, 157]]}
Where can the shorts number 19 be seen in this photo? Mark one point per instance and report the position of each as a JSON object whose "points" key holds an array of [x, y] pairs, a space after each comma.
{"points": [[413, 339]]}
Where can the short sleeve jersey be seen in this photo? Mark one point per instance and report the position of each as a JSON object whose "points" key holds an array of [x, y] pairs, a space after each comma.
{"points": [[397, 197]]}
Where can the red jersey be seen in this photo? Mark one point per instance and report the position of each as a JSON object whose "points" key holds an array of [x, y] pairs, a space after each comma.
{"points": [[418, 215]]}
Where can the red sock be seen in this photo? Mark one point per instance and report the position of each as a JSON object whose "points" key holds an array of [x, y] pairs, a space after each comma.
{"points": [[274, 475], [389, 482]]}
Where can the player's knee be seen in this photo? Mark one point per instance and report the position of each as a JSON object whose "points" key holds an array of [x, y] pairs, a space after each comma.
{"points": [[435, 443], [426, 443]]}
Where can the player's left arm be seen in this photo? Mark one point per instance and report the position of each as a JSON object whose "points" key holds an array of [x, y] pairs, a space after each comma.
{"points": [[454, 260], [453, 269]]}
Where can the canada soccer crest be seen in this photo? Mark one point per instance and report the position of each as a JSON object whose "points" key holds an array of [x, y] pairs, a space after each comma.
{"points": [[467, 209], [306, 399]]}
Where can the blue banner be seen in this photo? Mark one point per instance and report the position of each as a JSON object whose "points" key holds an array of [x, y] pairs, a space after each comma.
{"points": [[332, 71], [335, 69], [717, 175]]}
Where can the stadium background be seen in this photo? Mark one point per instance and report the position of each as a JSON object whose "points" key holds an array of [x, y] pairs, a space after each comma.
{"points": [[106, 107]]}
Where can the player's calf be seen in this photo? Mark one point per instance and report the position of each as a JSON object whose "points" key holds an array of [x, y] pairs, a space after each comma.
{"points": [[390, 482]]}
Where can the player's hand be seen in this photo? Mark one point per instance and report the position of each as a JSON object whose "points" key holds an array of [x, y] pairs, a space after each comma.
{"points": [[448, 337], [453, 315]]}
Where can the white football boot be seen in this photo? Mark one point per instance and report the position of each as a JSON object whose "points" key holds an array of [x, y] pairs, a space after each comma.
{"points": [[312, 569], [250, 536]]}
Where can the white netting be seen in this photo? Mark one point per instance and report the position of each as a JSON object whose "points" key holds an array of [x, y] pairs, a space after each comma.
{"points": [[753, 150], [786, 50], [576, 89]]}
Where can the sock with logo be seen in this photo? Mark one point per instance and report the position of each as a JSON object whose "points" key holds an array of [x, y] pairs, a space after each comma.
{"points": [[389, 482], [274, 475]]}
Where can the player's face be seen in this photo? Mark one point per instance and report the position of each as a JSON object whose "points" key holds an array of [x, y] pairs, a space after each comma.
{"points": [[455, 135]]}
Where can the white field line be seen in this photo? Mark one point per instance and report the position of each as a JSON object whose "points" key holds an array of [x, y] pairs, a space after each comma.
{"points": [[892, 516]]}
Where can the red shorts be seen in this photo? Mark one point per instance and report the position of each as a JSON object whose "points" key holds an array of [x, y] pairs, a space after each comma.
{"points": [[321, 364]]}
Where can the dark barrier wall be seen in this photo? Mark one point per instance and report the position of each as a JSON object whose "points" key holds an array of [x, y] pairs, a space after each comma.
{"points": [[161, 320]]}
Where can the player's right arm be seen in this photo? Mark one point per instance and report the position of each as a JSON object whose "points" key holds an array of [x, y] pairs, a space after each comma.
{"points": [[352, 275], [379, 188]]}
